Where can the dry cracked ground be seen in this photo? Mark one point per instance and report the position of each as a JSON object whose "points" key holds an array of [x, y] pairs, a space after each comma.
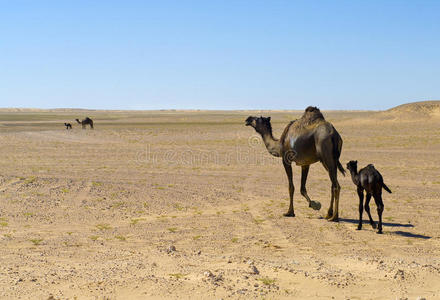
{"points": [[188, 205]]}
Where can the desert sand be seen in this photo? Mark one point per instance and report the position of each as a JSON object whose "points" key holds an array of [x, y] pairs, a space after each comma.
{"points": [[189, 204]]}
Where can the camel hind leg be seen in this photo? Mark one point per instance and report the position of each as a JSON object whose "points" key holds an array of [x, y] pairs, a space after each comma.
{"points": [[367, 209], [331, 166], [379, 203]]}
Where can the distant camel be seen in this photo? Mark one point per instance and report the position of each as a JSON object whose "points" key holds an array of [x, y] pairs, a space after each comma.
{"points": [[305, 141], [68, 126], [370, 180], [86, 121]]}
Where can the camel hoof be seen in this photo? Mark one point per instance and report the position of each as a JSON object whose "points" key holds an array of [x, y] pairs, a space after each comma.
{"points": [[333, 219], [359, 228], [315, 205], [289, 214], [329, 214], [379, 232], [373, 225]]}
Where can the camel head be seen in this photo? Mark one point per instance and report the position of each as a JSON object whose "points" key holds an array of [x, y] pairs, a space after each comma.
{"points": [[352, 166], [260, 124]]}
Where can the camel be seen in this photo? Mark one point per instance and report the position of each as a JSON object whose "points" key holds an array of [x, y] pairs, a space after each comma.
{"points": [[370, 180], [86, 121], [68, 126], [305, 141]]}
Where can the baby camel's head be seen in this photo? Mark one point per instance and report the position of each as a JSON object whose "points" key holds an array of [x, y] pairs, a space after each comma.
{"points": [[352, 165]]}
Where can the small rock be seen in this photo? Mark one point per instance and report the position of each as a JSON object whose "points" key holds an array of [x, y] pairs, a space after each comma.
{"points": [[242, 291], [208, 274], [154, 265], [254, 270], [420, 298], [399, 274], [171, 249]]}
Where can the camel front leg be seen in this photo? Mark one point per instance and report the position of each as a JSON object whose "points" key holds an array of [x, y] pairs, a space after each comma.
{"points": [[288, 168], [313, 204]]}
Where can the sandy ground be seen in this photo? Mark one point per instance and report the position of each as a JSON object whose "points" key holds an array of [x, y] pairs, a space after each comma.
{"points": [[189, 205]]}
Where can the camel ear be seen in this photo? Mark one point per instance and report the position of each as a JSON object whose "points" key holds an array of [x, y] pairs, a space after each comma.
{"points": [[268, 118], [356, 161]]}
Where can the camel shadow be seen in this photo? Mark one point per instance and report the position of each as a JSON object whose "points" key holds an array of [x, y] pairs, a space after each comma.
{"points": [[388, 224], [411, 235]]}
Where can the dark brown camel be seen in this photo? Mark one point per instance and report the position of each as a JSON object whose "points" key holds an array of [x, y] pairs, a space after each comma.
{"points": [[306, 141], [86, 121], [68, 126], [370, 180]]}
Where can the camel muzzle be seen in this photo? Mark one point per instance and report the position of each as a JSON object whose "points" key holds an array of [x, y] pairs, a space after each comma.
{"points": [[248, 121]]}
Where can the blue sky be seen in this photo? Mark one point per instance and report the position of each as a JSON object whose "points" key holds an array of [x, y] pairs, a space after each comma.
{"points": [[218, 54]]}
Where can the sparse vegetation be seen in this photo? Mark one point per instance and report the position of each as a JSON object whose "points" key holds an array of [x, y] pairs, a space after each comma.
{"points": [[178, 275], [103, 226], [121, 237], [267, 280], [36, 242], [258, 220]]}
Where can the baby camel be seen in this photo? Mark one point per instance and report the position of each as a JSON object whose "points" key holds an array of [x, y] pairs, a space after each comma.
{"points": [[370, 180], [68, 126]]}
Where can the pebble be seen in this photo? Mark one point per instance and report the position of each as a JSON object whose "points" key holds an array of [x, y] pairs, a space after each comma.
{"points": [[171, 248], [254, 270], [208, 274]]}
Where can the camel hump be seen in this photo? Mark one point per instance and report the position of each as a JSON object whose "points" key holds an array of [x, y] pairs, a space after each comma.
{"points": [[312, 113], [312, 109]]}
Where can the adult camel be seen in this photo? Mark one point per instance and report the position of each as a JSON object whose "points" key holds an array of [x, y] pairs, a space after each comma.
{"points": [[306, 141], [86, 121]]}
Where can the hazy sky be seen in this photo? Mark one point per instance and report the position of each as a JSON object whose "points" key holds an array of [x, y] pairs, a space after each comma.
{"points": [[218, 54]]}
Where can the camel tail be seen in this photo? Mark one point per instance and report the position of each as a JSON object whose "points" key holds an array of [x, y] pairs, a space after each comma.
{"points": [[386, 188], [337, 144], [341, 168]]}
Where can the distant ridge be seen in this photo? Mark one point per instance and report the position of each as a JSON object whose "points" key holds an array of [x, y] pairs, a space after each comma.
{"points": [[15, 109], [416, 109]]}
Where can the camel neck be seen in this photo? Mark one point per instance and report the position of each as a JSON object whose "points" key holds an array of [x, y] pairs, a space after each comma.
{"points": [[272, 144], [354, 176]]}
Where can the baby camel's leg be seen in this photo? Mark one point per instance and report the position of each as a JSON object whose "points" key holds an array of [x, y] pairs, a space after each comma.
{"points": [[380, 207], [367, 209], [361, 206]]}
